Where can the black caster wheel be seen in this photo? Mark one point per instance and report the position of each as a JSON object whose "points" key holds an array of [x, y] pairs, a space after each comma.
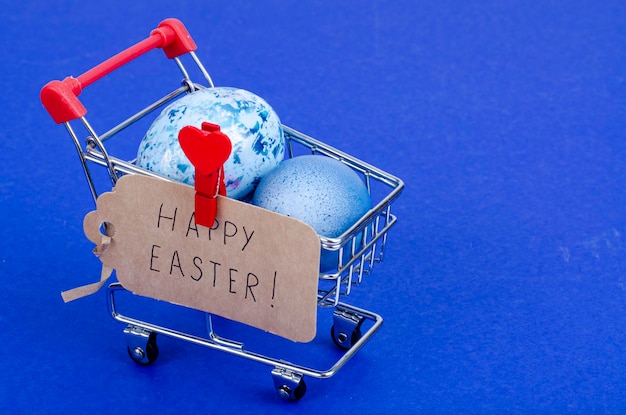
{"points": [[289, 385], [142, 346], [344, 340], [289, 393]]}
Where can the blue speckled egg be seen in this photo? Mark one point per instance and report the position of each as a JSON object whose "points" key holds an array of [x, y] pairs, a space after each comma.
{"points": [[321, 191], [251, 124]]}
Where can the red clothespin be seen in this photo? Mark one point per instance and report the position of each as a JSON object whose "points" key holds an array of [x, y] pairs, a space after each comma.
{"points": [[207, 149]]}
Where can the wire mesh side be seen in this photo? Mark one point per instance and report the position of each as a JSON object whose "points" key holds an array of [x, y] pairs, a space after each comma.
{"points": [[363, 245]]}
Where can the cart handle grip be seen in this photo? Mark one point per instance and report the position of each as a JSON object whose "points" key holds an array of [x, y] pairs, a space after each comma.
{"points": [[60, 98]]}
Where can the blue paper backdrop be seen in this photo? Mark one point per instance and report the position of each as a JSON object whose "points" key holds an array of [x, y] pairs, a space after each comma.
{"points": [[504, 285]]}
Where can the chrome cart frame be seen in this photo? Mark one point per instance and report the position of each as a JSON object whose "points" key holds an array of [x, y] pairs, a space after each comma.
{"points": [[358, 249]]}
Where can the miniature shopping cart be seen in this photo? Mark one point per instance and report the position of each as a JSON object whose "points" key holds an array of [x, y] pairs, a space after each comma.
{"points": [[358, 249]]}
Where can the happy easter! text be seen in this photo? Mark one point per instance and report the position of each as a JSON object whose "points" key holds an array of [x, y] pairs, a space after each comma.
{"points": [[198, 266]]}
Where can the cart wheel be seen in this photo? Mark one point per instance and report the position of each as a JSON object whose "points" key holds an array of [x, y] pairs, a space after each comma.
{"points": [[343, 340], [289, 385], [142, 345], [287, 393]]}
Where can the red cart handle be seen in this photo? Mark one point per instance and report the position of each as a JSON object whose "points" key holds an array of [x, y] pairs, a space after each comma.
{"points": [[60, 98]]}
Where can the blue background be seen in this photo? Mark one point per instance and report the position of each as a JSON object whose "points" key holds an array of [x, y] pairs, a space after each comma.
{"points": [[504, 285]]}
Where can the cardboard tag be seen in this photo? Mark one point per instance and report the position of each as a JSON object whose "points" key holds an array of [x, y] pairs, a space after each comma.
{"points": [[252, 266]]}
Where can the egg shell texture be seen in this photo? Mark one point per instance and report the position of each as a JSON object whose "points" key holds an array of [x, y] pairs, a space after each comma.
{"points": [[321, 191], [251, 124]]}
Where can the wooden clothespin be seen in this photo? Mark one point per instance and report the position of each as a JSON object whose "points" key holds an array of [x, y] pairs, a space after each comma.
{"points": [[207, 149]]}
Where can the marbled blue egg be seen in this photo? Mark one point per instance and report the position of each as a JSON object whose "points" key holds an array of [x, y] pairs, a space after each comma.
{"points": [[251, 124], [321, 191]]}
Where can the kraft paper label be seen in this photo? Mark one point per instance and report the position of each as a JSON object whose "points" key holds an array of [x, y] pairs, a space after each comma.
{"points": [[252, 266]]}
